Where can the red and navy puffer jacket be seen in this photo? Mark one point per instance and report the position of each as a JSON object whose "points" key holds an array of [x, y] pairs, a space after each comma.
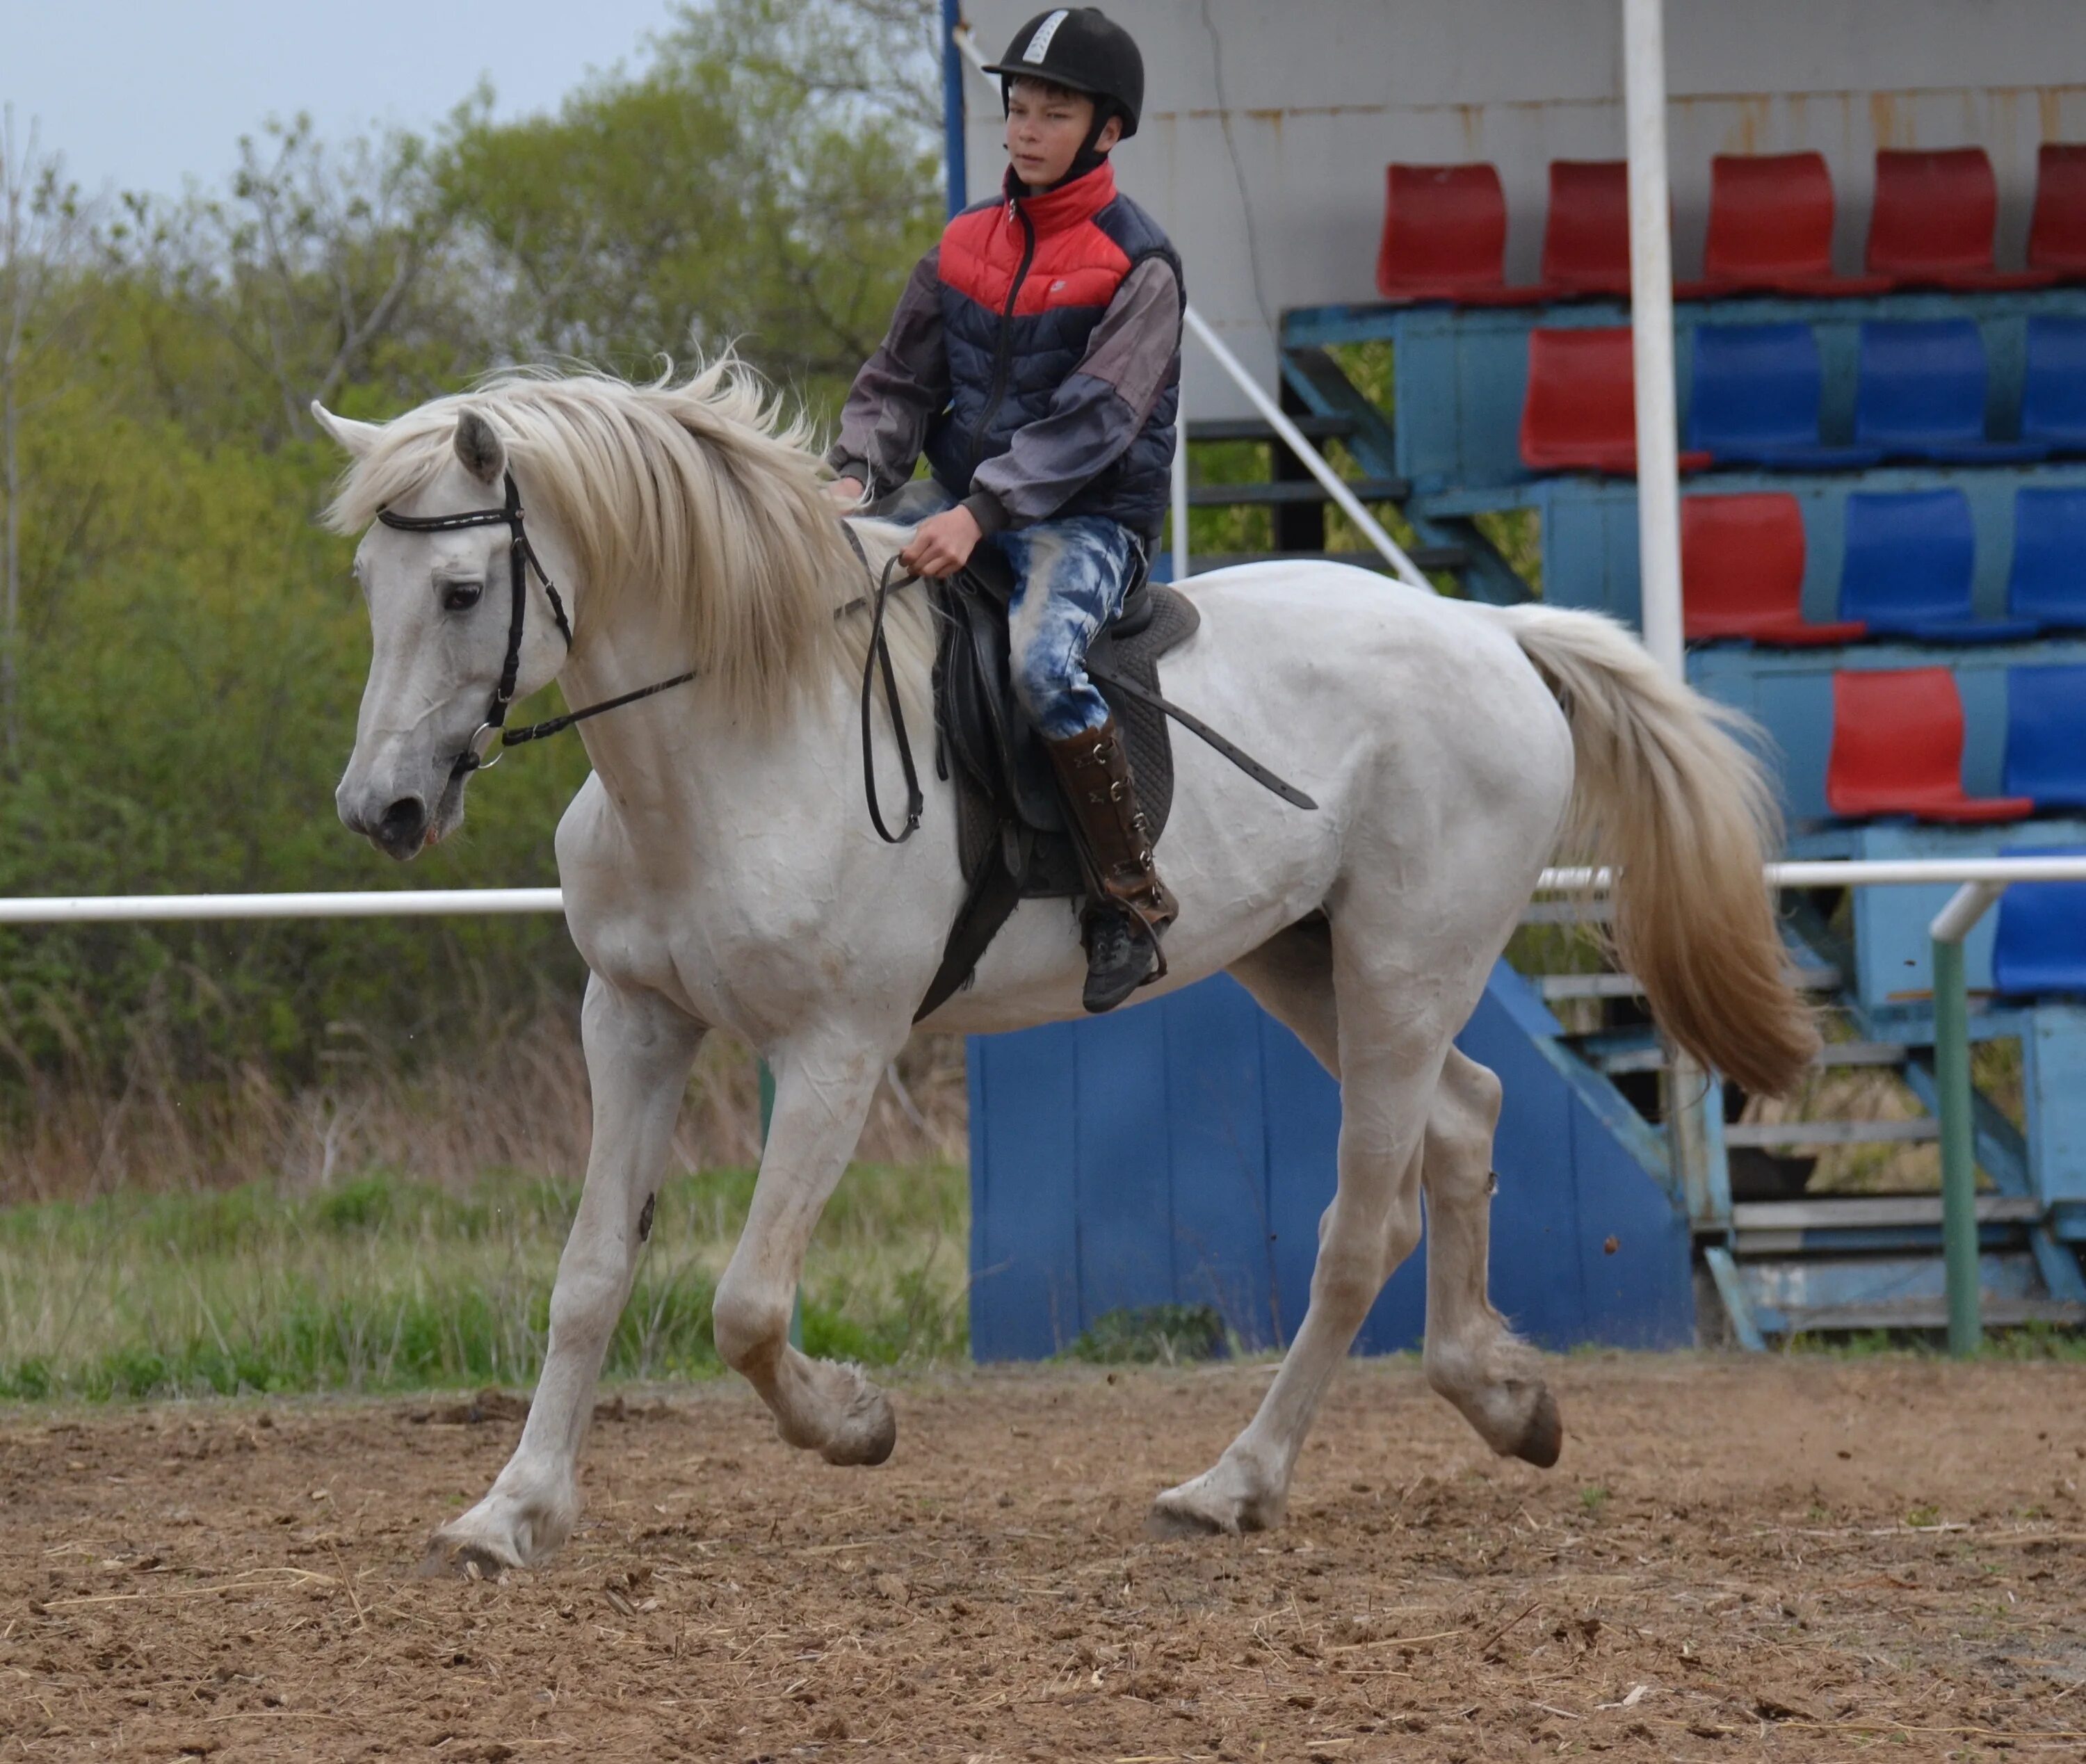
{"points": [[1023, 282]]}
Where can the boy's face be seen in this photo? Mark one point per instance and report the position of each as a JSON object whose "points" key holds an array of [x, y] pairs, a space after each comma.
{"points": [[1045, 126]]}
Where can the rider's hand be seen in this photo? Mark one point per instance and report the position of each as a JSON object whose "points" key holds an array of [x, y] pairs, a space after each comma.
{"points": [[847, 492], [942, 545]]}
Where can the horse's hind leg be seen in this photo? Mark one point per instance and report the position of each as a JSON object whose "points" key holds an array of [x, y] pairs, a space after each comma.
{"points": [[1389, 1053], [639, 1049], [1472, 1357]]}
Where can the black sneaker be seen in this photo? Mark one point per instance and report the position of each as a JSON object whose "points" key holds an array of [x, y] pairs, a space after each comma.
{"points": [[1120, 954]]}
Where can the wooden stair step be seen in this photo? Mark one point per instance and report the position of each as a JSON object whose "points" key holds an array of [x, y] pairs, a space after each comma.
{"points": [[1995, 1310], [1766, 1133], [1850, 1212], [1258, 429]]}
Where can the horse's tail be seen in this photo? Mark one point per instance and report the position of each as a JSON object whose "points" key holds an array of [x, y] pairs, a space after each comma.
{"points": [[1667, 795]]}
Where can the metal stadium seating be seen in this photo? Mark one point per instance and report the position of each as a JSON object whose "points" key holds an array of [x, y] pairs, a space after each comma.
{"points": [[1586, 238], [2054, 384], [1579, 411], [1897, 749], [1445, 237], [2057, 235], [1755, 400], [1931, 223], [2041, 948], [1908, 567], [1921, 393], [1742, 572], [1771, 228], [2046, 736], [2047, 580]]}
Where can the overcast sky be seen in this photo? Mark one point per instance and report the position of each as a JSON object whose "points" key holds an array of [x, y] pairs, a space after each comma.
{"points": [[144, 94]]}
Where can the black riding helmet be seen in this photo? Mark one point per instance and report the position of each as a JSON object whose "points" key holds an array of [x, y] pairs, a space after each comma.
{"points": [[1079, 48]]}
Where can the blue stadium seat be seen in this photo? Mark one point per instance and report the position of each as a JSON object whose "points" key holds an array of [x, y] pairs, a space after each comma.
{"points": [[1907, 565], [2047, 580], [2041, 948], [2046, 736], [1921, 393], [2053, 393], [1755, 399]]}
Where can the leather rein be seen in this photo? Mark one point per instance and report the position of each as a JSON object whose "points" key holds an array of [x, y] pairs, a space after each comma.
{"points": [[522, 559]]}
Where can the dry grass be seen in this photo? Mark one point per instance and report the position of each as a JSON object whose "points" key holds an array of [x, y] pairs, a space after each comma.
{"points": [[513, 1098]]}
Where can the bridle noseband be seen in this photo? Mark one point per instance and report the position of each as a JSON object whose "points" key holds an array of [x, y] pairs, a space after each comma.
{"points": [[521, 558]]}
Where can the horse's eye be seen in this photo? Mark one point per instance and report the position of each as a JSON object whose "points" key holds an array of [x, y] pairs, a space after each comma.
{"points": [[459, 596]]}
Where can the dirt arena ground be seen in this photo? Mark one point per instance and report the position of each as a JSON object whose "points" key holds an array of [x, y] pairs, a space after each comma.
{"points": [[1803, 1559]]}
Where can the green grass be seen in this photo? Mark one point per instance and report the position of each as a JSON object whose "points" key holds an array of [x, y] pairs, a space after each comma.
{"points": [[380, 1283]]}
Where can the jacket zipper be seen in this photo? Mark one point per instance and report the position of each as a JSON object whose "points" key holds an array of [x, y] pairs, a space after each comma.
{"points": [[1002, 358]]}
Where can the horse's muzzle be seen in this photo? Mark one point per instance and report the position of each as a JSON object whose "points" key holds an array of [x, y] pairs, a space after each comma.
{"points": [[398, 828]]}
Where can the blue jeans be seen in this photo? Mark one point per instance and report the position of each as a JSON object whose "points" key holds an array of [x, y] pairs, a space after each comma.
{"points": [[1070, 578]]}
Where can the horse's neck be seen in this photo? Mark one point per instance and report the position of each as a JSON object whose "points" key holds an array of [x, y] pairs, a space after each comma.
{"points": [[679, 754]]}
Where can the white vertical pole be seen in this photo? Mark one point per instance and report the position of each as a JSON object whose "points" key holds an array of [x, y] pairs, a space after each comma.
{"points": [[1179, 491], [1651, 328]]}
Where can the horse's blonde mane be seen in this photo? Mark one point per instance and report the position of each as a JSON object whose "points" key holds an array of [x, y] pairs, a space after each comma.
{"points": [[701, 491]]}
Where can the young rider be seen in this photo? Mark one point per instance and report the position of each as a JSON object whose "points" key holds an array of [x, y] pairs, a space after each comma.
{"points": [[1035, 357]]}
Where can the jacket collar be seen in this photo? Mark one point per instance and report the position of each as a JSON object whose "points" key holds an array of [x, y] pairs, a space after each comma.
{"points": [[1065, 204]]}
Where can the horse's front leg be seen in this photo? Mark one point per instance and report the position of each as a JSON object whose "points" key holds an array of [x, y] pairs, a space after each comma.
{"points": [[824, 1086], [639, 1048]]}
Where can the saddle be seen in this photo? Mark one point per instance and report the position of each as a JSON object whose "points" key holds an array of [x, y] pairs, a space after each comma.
{"points": [[1013, 838]]}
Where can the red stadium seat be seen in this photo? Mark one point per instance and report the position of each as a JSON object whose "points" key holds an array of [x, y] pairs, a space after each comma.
{"points": [[1932, 224], [1445, 237], [2056, 236], [1897, 749], [1586, 240], [1579, 413], [1771, 227], [1742, 572]]}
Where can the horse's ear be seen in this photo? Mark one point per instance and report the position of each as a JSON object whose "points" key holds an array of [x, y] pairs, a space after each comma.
{"points": [[356, 438], [479, 449]]}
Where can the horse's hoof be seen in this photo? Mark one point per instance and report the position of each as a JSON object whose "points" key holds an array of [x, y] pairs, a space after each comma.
{"points": [[1542, 1441], [869, 1434], [1168, 1524], [1220, 1502], [446, 1560]]}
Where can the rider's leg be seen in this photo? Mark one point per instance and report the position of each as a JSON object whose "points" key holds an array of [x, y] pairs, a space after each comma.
{"points": [[1072, 575]]}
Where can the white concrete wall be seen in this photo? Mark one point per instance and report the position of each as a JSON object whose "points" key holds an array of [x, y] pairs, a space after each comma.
{"points": [[1267, 125]]}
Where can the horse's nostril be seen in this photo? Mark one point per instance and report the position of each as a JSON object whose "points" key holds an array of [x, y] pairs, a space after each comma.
{"points": [[405, 823]]}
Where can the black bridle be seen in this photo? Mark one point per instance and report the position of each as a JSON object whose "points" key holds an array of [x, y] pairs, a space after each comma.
{"points": [[521, 558]]}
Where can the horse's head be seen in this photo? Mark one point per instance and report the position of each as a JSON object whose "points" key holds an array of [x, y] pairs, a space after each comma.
{"points": [[440, 610]]}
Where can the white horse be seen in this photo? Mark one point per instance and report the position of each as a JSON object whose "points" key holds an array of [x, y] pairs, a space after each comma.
{"points": [[720, 872]]}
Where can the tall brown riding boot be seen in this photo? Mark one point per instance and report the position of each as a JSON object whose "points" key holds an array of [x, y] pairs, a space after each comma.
{"points": [[1131, 905]]}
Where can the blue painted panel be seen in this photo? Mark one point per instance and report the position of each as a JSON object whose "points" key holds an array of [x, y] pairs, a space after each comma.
{"points": [[1575, 1169], [1217, 1139], [2053, 1075], [1024, 1243], [1535, 1221], [1303, 1135], [1121, 1175]]}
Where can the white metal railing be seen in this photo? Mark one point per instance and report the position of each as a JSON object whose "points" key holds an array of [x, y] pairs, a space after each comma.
{"points": [[436, 903], [1334, 486]]}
